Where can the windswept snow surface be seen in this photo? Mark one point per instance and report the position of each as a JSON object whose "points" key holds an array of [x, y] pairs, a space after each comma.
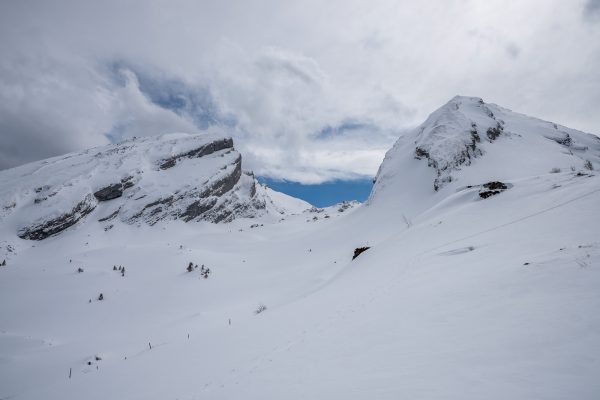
{"points": [[458, 297]]}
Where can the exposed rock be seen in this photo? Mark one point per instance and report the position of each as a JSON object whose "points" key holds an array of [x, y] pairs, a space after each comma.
{"points": [[495, 185], [109, 192], [346, 205], [207, 149], [421, 153], [127, 182], [110, 216], [43, 229], [494, 132], [564, 141], [198, 208]]}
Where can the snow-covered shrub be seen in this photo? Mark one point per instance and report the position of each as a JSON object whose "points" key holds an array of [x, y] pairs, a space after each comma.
{"points": [[588, 165], [555, 170], [359, 250], [261, 308]]}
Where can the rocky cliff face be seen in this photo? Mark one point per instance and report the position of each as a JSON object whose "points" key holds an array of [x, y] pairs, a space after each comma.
{"points": [[141, 181]]}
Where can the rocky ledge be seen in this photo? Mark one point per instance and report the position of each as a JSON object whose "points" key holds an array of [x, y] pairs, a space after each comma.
{"points": [[147, 180]]}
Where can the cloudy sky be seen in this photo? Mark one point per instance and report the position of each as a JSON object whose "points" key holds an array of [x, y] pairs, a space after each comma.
{"points": [[310, 90]]}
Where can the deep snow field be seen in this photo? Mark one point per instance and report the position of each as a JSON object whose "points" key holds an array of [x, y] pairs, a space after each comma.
{"points": [[459, 297]]}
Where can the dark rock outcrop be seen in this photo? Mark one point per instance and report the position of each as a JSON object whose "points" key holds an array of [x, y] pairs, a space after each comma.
{"points": [[492, 188], [53, 226], [494, 132], [201, 151], [109, 192], [218, 188], [114, 190], [110, 216]]}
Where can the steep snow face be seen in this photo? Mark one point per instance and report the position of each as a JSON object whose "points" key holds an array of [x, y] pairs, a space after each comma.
{"points": [[467, 142], [147, 180]]}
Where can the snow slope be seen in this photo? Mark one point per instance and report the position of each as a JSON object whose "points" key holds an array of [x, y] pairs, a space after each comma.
{"points": [[459, 296]]}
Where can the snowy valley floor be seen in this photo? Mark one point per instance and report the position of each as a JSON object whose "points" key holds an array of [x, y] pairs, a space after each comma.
{"points": [[471, 299]]}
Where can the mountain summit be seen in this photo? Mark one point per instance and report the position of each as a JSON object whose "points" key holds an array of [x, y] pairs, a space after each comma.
{"points": [[143, 180], [469, 142]]}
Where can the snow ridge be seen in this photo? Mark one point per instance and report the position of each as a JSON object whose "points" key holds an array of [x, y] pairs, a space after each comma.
{"points": [[474, 142], [140, 181]]}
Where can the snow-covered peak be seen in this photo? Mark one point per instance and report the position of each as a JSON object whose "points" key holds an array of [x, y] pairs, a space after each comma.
{"points": [[470, 142], [144, 180]]}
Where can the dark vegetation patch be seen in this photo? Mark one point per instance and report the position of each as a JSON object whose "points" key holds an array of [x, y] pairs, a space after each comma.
{"points": [[492, 188], [495, 132], [359, 250]]}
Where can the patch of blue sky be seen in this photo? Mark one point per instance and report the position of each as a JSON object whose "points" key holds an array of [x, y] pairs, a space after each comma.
{"points": [[324, 194]]}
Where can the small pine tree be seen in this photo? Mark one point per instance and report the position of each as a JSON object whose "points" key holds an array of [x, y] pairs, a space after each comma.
{"points": [[3, 263], [101, 297], [260, 309], [114, 267], [79, 270], [588, 165], [190, 268], [123, 271]]}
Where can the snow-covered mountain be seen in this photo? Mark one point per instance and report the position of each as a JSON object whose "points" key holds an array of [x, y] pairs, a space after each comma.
{"points": [[466, 143], [480, 275], [144, 180]]}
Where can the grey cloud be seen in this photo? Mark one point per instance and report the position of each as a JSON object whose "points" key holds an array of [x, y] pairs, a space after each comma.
{"points": [[275, 61], [193, 101], [513, 50], [375, 41], [591, 9], [309, 90]]}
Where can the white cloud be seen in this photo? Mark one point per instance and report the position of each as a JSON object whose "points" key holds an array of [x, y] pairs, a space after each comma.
{"points": [[276, 74]]}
